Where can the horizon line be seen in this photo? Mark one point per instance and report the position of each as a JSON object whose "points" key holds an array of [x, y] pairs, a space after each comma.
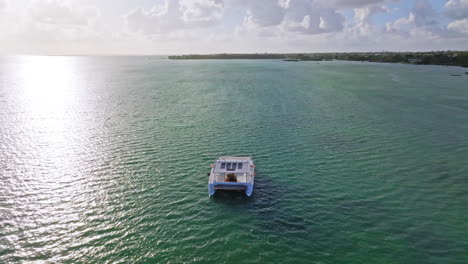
{"points": [[216, 53]]}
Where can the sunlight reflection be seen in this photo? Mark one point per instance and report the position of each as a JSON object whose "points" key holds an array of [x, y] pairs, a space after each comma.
{"points": [[50, 92], [56, 153], [49, 83]]}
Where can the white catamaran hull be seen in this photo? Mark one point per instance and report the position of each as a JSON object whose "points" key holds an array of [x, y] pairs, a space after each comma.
{"points": [[232, 174]]}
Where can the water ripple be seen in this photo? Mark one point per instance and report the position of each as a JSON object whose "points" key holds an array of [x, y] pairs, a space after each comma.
{"points": [[107, 164]]}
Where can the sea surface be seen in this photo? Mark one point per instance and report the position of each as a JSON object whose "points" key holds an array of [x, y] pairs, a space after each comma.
{"points": [[105, 160]]}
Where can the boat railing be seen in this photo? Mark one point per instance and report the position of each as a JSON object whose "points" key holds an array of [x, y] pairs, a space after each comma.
{"points": [[220, 177], [249, 178]]}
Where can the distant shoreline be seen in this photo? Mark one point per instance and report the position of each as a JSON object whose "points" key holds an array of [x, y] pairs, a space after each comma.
{"points": [[448, 58]]}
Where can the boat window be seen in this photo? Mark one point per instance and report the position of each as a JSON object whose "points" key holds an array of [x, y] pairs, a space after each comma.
{"points": [[231, 166], [223, 165], [239, 166]]}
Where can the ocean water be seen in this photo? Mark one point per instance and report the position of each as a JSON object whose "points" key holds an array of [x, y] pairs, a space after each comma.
{"points": [[105, 160]]}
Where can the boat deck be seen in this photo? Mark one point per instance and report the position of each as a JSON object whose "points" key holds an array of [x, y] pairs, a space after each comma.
{"points": [[220, 177]]}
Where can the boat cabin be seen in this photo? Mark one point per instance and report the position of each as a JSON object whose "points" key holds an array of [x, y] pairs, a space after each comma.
{"points": [[232, 173]]}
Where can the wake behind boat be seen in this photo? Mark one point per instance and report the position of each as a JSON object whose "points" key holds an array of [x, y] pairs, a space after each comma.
{"points": [[232, 173]]}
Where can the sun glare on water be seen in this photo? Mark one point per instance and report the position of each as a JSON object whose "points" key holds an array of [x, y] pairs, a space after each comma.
{"points": [[51, 131], [49, 83], [49, 92], [48, 152]]}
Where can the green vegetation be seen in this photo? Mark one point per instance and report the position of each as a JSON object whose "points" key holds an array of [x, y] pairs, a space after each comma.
{"points": [[453, 58]]}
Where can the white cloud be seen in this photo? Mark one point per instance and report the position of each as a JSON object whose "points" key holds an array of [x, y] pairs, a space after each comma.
{"points": [[363, 15], [354, 3], [59, 21], [456, 9], [263, 13], [311, 17], [3, 5], [201, 11], [363, 25], [61, 12], [425, 14], [459, 26], [422, 20], [159, 19], [173, 15], [193, 26], [301, 16], [45, 26]]}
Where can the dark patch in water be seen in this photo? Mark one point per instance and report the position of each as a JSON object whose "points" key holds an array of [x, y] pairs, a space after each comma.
{"points": [[265, 206]]}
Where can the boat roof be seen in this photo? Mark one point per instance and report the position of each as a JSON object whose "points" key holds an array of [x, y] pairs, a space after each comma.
{"points": [[234, 158], [229, 164]]}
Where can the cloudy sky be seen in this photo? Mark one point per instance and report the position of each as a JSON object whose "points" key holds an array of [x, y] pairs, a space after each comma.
{"points": [[214, 26]]}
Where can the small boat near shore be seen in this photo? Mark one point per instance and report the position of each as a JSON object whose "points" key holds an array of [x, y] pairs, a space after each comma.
{"points": [[232, 174]]}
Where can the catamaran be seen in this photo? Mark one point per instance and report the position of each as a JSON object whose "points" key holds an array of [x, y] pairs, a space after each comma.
{"points": [[232, 173]]}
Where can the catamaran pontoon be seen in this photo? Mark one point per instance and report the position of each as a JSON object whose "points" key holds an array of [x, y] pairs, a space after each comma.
{"points": [[232, 173]]}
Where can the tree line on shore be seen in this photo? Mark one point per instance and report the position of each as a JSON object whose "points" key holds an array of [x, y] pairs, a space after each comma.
{"points": [[452, 58]]}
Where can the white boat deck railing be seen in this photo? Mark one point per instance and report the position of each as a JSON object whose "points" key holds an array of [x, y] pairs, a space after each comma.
{"points": [[241, 178]]}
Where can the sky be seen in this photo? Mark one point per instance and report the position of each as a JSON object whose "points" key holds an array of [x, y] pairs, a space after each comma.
{"points": [[230, 26]]}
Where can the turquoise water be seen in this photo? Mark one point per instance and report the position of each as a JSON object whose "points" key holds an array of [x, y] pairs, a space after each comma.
{"points": [[104, 160]]}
